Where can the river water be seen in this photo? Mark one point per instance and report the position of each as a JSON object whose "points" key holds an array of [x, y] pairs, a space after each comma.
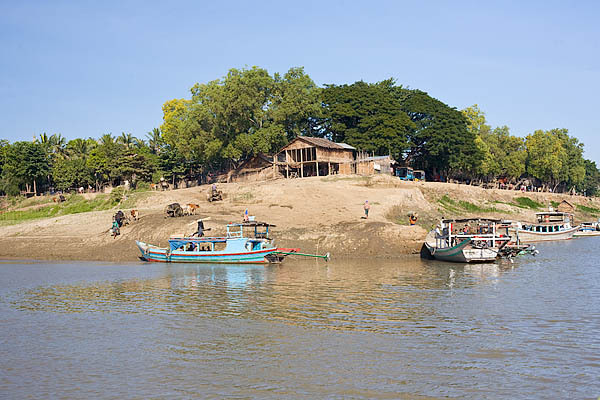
{"points": [[405, 328]]}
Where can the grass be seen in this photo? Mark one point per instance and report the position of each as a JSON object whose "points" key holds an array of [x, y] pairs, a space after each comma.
{"points": [[462, 206], [74, 204], [589, 210], [526, 202]]}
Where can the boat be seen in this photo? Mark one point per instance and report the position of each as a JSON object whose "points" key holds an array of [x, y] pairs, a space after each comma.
{"points": [[466, 240], [550, 225], [244, 243], [588, 229]]}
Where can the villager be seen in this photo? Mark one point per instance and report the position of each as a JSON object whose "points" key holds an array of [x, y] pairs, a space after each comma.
{"points": [[115, 228], [412, 219], [367, 207], [200, 231]]}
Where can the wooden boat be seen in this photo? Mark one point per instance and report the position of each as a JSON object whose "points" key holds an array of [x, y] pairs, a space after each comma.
{"points": [[235, 248], [552, 225], [588, 229], [466, 240]]}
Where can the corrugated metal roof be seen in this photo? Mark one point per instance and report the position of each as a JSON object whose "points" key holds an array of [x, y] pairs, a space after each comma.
{"points": [[346, 146]]}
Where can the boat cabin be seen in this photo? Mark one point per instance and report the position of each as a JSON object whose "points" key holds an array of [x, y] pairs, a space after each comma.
{"points": [[451, 232]]}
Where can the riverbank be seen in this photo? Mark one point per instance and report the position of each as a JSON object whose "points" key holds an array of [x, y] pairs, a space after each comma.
{"points": [[319, 214]]}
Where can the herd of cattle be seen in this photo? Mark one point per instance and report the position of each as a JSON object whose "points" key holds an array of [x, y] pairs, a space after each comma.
{"points": [[177, 210]]}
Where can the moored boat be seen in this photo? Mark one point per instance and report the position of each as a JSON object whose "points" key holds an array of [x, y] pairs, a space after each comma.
{"points": [[239, 246], [552, 225], [466, 240], [588, 229]]}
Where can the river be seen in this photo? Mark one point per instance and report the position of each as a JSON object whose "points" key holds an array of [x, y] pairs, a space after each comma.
{"points": [[380, 329]]}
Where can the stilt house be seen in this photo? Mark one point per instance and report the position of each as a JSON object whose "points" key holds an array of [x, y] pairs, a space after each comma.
{"points": [[310, 156]]}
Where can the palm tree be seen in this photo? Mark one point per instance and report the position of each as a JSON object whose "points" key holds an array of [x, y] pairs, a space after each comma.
{"points": [[78, 148], [57, 143], [107, 139], [126, 139], [155, 140]]}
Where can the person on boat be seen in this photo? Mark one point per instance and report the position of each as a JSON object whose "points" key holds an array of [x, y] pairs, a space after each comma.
{"points": [[466, 229], [246, 218], [366, 207], [191, 246]]}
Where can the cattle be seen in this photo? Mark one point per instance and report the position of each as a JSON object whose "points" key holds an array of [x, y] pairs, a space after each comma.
{"points": [[120, 218], [135, 214], [190, 209], [174, 210]]}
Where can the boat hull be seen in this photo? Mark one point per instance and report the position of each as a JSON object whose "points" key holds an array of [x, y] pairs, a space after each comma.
{"points": [[463, 253], [586, 233], [158, 254], [526, 236]]}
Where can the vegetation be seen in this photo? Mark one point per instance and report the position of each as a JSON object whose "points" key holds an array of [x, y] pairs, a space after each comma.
{"points": [[526, 202], [462, 206], [248, 111]]}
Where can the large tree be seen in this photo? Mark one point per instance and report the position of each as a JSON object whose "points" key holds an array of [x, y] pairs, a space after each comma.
{"points": [[26, 166], [246, 112], [367, 116], [440, 140]]}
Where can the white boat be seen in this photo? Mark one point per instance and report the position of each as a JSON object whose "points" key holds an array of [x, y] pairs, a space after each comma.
{"points": [[466, 240], [551, 225], [588, 229]]}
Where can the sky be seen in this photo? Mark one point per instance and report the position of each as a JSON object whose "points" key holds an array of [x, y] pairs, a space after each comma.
{"points": [[85, 68]]}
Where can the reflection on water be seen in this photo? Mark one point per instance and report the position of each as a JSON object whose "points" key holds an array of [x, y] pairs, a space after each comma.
{"points": [[363, 329], [400, 296]]}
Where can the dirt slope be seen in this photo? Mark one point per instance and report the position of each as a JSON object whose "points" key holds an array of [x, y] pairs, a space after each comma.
{"points": [[316, 214]]}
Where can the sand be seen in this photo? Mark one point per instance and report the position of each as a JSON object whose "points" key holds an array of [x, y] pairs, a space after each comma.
{"points": [[318, 215]]}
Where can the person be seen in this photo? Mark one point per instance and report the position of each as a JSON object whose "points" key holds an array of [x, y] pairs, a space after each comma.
{"points": [[200, 231], [115, 228], [412, 219], [466, 228], [246, 218], [214, 188], [367, 207]]}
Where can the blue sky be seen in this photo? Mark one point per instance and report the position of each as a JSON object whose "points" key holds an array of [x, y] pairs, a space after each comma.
{"points": [[85, 68]]}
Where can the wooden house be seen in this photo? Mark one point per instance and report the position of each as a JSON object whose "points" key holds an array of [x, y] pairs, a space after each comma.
{"points": [[565, 207], [310, 156]]}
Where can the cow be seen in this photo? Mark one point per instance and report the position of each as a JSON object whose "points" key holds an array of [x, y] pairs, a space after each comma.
{"points": [[174, 210], [135, 214], [191, 208]]}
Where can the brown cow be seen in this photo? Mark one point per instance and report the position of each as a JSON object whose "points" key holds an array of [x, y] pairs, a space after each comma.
{"points": [[135, 214], [190, 208]]}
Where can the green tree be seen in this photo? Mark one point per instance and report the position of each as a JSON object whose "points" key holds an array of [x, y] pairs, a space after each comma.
{"points": [[367, 116], [440, 140], [72, 173], [590, 185], [26, 166]]}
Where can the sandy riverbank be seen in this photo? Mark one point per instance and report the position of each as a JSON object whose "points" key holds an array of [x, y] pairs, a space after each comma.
{"points": [[316, 214]]}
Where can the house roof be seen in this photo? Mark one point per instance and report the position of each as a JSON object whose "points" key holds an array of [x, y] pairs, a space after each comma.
{"points": [[321, 142]]}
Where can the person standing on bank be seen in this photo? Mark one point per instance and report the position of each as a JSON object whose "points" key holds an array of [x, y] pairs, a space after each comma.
{"points": [[367, 207], [200, 231]]}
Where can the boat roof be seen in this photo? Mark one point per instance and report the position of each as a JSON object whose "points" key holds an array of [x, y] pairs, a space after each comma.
{"points": [[461, 220], [250, 223], [552, 213]]}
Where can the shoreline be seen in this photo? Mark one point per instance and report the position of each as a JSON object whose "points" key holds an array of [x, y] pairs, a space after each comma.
{"points": [[317, 215]]}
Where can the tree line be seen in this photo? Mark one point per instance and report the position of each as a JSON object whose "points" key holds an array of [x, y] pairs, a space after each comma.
{"points": [[249, 111]]}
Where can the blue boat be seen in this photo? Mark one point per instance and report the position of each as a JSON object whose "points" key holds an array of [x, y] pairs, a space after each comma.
{"points": [[237, 247]]}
